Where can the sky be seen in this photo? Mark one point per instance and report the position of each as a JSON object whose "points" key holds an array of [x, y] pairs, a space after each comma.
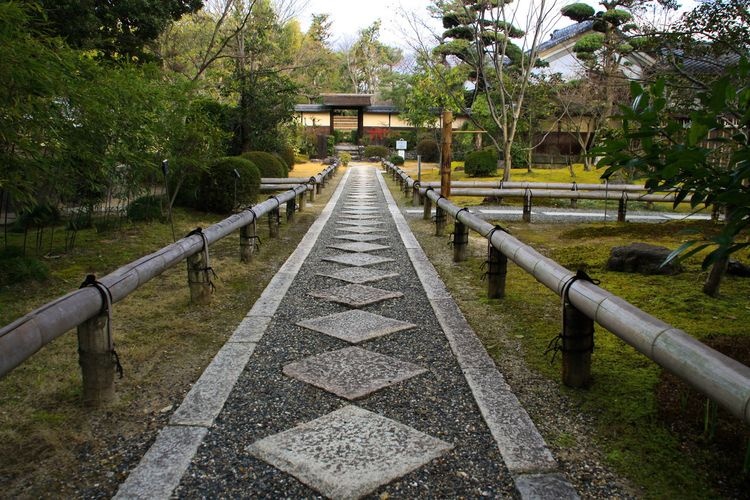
{"points": [[350, 16]]}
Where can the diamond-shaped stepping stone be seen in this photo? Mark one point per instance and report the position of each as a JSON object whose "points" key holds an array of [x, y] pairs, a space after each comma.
{"points": [[361, 229], [349, 222], [349, 452], [361, 212], [358, 246], [360, 237], [362, 217], [356, 326], [355, 295], [359, 275], [352, 372], [357, 259]]}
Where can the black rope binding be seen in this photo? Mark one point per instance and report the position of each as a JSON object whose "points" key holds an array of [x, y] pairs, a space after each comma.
{"points": [[557, 343], [486, 263], [106, 308], [207, 270]]}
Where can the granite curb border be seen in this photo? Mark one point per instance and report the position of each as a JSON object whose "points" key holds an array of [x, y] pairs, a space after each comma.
{"points": [[161, 469], [534, 469]]}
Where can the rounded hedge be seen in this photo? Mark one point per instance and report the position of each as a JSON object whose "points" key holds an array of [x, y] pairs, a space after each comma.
{"points": [[287, 154], [216, 190], [396, 160], [376, 151], [481, 163], [268, 164], [428, 149], [145, 209]]}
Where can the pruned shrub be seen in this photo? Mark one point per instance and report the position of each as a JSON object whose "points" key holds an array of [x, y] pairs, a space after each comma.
{"points": [[345, 158], [268, 164], [145, 209], [396, 160], [287, 154], [481, 163], [376, 151], [184, 179], [428, 149], [216, 192]]}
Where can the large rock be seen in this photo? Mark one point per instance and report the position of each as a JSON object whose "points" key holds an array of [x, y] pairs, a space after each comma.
{"points": [[737, 268], [641, 258]]}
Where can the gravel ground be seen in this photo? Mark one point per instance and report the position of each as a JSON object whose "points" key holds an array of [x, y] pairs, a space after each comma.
{"points": [[265, 402]]}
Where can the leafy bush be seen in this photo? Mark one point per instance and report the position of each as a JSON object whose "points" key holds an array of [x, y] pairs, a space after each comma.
{"points": [[216, 190], [16, 268], [518, 156], [428, 149], [345, 158], [145, 209], [268, 164], [191, 173], [376, 151], [287, 154], [396, 160], [481, 163]]}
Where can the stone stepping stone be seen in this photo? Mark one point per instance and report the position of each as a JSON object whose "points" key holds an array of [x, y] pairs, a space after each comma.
{"points": [[356, 326], [361, 229], [358, 246], [363, 208], [355, 295], [360, 237], [357, 259], [362, 212], [359, 275], [350, 452], [352, 372], [363, 217], [371, 222]]}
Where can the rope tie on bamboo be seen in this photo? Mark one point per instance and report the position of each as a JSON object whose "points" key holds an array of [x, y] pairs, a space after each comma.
{"points": [[207, 270], [486, 263], [575, 186], [557, 344], [106, 308], [438, 210], [465, 239], [274, 197], [256, 239]]}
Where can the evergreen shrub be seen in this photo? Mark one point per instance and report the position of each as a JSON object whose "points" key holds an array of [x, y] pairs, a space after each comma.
{"points": [[376, 151], [268, 164], [428, 149], [145, 209], [396, 160], [481, 163], [216, 190]]}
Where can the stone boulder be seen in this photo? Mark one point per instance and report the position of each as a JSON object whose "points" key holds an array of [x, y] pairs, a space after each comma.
{"points": [[641, 258], [737, 268]]}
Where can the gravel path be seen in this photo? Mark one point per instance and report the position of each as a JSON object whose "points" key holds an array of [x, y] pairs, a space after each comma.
{"points": [[464, 459]]}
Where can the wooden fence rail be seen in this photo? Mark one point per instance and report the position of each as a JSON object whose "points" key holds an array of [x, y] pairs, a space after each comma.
{"points": [[721, 378], [88, 307]]}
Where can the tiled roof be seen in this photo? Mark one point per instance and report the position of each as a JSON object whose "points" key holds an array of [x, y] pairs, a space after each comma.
{"points": [[566, 33]]}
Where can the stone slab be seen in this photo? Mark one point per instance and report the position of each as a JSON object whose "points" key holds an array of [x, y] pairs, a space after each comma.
{"points": [[352, 372], [356, 326], [359, 275], [162, 467], [251, 329], [360, 237], [355, 222], [544, 487], [357, 259], [363, 217], [350, 452], [358, 246], [355, 295], [361, 229]]}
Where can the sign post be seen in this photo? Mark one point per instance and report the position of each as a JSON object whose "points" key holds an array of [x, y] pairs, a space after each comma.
{"points": [[401, 148]]}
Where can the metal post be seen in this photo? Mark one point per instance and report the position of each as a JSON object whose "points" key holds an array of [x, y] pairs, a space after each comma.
{"points": [[577, 346], [527, 206], [273, 223], [291, 207], [460, 241], [95, 351], [248, 242], [427, 213], [440, 217], [497, 270], [198, 278]]}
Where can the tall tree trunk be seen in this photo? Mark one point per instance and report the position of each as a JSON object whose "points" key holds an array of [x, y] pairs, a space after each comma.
{"points": [[711, 286]]}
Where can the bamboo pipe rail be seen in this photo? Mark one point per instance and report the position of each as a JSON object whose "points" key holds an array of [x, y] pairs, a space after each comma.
{"points": [[570, 186], [26, 335], [721, 378]]}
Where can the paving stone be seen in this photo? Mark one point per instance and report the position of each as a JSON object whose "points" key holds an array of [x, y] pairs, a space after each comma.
{"points": [[358, 246], [356, 326], [360, 237], [362, 229], [352, 372], [363, 217], [349, 452], [355, 295], [361, 211], [544, 487], [359, 275], [357, 259], [365, 223]]}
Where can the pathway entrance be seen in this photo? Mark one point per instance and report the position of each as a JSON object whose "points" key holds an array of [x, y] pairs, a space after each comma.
{"points": [[354, 374]]}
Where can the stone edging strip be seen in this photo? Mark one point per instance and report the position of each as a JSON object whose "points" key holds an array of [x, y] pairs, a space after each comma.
{"points": [[524, 451], [161, 469]]}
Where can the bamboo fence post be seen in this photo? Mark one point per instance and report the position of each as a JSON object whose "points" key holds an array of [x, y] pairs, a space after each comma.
{"points": [[577, 346], [273, 223], [248, 241], [95, 356], [198, 278], [497, 271], [427, 211], [291, 207], [460, 241], [440, 217], [527, 206]]}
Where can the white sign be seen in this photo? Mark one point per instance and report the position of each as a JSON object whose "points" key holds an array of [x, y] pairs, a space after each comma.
{"points": [[401, 145]]}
